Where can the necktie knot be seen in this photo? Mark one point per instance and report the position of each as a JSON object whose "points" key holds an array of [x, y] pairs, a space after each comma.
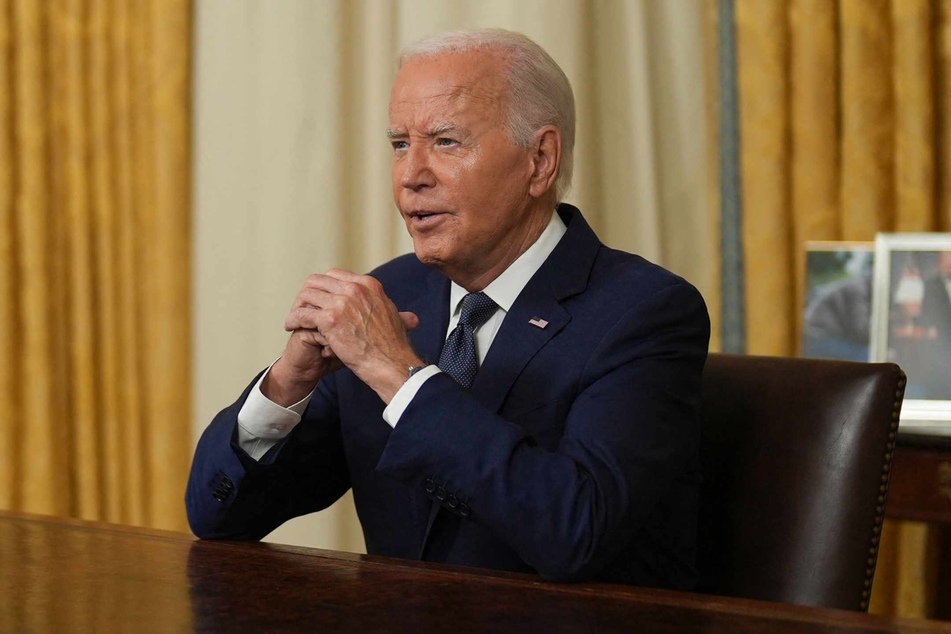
{"points": [[476, 309]]}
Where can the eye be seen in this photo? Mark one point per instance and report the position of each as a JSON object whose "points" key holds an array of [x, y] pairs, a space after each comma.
{"points": [[399, 145], [445, 141]]}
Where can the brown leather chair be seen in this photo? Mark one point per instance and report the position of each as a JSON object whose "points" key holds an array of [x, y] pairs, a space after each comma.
{"points": [[795, 458]]}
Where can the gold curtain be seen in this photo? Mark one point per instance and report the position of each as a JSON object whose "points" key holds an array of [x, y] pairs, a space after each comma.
{"points": [[95, 402], [844, 122]]}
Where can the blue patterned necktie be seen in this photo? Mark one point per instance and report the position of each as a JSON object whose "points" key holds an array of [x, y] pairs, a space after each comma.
{"points": [[458, 358]]}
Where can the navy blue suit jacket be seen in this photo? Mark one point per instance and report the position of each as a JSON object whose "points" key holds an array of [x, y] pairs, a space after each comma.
{"points": [[573, 455]]}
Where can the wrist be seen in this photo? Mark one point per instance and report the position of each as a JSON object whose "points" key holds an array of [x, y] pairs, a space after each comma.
{"points": [[285, 386], [413, 369], [393, 375]]}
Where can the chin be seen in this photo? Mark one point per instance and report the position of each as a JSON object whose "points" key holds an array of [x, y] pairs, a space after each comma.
{"points": [[430, 260], [428, 249], [428, 257]]}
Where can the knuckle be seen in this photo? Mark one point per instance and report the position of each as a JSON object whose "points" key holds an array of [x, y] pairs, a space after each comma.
{"points": [[311, 282], [373, 284]]}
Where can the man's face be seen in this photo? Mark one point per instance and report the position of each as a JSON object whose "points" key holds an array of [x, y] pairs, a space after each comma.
{"points": [[460, 183], [944, 263]]}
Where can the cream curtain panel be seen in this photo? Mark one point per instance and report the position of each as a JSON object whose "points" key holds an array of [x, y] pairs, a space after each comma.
{"points": [[293, 168], [94, 259], [845, 131]]}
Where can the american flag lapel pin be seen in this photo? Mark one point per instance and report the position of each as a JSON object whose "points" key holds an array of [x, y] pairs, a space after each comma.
{"points": [[538, 322]]}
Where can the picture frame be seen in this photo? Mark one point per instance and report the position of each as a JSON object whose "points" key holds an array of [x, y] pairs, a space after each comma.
{"points": [[911, 323], [837, 308]]}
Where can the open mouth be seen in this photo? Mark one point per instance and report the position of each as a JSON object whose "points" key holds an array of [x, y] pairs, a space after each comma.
{"points": [[423, 216]]}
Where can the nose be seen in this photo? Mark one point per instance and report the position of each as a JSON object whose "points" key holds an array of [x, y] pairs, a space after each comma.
{"points": [[416, 172]]}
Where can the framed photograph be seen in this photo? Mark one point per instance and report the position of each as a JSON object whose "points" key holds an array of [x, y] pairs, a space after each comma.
{"points": [[838, 301], [911, 323]]}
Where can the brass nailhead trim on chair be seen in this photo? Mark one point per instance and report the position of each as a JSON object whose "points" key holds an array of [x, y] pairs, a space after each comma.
{"points": [[883, 489]]}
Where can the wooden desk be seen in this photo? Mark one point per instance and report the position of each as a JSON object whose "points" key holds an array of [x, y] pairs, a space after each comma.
{"points": [[920, 490], [67, 576], [920, 487]]}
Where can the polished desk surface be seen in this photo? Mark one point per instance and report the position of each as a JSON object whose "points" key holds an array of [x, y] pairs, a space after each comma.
{"points": [[69, 576]]}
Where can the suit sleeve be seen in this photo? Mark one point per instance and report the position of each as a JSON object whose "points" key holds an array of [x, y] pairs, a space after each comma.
{"points": [[631, 430], [232, 496]]}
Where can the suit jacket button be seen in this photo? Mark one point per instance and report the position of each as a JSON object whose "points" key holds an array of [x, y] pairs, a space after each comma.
{"points": [[464, 509], [429, 485], [452, 502], [440, 494]]}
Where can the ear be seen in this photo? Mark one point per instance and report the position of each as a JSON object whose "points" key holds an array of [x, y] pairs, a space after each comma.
{"points": [[546, 161]]}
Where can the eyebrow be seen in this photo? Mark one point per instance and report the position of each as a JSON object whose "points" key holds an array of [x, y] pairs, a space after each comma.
{"points": [[436, 130]]}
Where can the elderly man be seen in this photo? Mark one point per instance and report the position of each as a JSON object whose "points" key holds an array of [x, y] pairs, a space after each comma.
{"points": [[558, 431]]}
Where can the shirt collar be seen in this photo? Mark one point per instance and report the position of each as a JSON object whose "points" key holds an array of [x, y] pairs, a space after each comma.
{"points": [[504, 289]]}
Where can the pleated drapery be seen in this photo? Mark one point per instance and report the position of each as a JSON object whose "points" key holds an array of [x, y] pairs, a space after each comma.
{"points": [[844, 120], [95, 399]]}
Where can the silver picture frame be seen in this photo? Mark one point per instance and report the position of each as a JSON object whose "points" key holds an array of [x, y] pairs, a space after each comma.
{"points": [[911, 324]]}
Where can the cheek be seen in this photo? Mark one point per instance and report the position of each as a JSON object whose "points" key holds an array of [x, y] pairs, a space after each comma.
{"points": [[489, 179], [395, 182], [460, 176]]}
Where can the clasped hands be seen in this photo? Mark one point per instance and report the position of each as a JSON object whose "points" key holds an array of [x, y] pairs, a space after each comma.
{"points": [[342, 319]]}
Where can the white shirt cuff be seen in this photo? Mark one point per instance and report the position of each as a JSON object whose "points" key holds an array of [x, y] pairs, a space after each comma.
{"points": [[404, 396], [262, 423]]}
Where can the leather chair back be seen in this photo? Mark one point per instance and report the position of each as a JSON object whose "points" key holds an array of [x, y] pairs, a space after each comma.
{"points": [[795, 458]]}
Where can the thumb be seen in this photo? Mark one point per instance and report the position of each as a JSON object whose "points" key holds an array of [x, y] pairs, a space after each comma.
{"points": [[410, 320]]}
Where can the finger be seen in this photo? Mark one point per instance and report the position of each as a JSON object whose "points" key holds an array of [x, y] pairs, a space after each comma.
{"points": [[314, 338], [314, 298], [410, 320], [308, 337], [328, 283], [343, 275], [322, 340], [347, 278], [302, 319]]}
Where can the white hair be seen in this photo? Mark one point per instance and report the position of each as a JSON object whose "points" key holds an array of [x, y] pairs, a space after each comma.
{"points": [[538, 94]]}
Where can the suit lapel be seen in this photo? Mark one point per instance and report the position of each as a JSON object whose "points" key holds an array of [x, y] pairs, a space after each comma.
{"points": [[518, 340]]}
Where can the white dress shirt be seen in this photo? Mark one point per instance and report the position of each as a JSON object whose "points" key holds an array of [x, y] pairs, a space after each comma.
{"points": [[262, 423]]}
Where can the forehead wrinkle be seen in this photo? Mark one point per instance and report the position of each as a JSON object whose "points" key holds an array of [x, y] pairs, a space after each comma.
{"points": [[480, 92], [432, 117], [456, 97], [442, 114]]}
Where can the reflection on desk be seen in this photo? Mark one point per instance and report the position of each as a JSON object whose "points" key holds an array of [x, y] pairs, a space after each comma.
{"points": [[69, 576]]}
